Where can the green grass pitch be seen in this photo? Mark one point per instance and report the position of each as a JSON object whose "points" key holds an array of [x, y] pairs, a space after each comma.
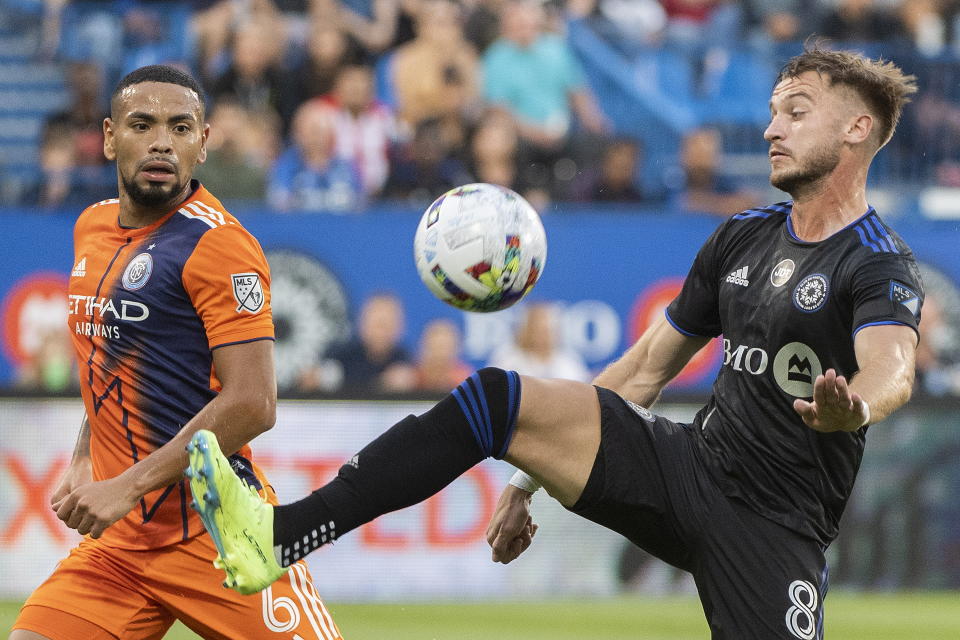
{"points": [[910, 616]]}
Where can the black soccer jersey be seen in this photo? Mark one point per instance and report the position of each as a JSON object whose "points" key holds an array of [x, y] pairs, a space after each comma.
{"points": [[789, 310]]}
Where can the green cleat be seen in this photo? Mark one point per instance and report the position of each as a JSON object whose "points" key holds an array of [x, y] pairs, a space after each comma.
{"points": [[238, 519]]}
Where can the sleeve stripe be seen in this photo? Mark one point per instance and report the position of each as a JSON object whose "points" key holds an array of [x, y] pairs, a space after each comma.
{"points": [[874, 236], [864, 241], [203, 219], [673, 324], [227, 344], [882, 322], [883, 233], [205, 209]]}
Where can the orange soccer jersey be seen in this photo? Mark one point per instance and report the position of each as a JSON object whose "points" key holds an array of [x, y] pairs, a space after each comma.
{"points": [[147, 307]]}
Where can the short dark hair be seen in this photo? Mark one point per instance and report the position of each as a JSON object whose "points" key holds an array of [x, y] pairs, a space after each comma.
{"points": [[158, 73], [881, 84]]}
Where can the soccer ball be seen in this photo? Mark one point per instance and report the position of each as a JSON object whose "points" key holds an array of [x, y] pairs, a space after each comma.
{"points": [[480, 247]]}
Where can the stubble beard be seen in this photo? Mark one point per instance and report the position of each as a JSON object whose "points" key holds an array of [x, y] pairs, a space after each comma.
{"points": [[816, 167]]}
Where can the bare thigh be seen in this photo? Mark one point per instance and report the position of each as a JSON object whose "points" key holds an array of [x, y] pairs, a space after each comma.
{"points": [[21, 634], [557, 435]]}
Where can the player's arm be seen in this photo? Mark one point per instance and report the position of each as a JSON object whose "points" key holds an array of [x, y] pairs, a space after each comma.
{"points": [[80, 471], [244, 408], [886, 359], [653, 361]]}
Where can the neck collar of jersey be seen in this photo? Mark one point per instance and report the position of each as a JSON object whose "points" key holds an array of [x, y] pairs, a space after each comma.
{"points": [[870, 211], [197, 191]]}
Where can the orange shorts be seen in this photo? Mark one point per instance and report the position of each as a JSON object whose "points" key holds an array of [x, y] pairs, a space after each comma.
{"points": [[129, 595]]}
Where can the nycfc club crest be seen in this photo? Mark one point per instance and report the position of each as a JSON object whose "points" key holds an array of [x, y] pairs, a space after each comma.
{"points": [[248, 292], [137, 272], [811, 293]]}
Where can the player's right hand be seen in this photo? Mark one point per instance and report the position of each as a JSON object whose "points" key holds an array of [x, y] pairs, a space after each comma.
{"points": [[79, 473], [511, 529]]}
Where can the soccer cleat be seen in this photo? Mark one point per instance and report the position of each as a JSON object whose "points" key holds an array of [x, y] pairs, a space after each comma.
{"points": [[240, 522]]}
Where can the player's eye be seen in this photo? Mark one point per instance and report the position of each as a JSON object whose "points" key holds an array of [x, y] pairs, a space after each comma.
{"points": [[139, 126], [182, 128]]}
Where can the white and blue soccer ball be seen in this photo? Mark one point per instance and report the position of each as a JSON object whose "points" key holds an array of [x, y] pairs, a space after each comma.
{"points": [[480, 247]]}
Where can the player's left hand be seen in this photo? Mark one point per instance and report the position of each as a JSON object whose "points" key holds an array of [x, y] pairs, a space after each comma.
{"points": [[93, 507], [834, 406], [511, 529]]}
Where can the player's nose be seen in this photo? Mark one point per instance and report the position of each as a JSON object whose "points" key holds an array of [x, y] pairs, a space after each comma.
{"points": [[162, 142], [774, 130]]}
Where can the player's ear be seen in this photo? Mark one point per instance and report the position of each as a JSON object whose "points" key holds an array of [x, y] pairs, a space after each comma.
{"points": [[204, 134], [859, 128], [109, 151]]}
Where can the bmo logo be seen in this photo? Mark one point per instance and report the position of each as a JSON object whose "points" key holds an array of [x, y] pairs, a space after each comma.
{"points": [[795, 367], [745, 358]]}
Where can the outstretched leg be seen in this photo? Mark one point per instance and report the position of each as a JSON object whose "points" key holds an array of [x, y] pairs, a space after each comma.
{"points": [[551, 430], [557, 435]]}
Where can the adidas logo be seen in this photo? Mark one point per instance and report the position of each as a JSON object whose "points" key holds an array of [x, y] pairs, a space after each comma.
{"points": [[79, 269], [739, 277], [354, 461]]}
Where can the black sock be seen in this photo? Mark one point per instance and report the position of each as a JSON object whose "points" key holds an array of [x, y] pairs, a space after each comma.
{"points": [[407, 464]]}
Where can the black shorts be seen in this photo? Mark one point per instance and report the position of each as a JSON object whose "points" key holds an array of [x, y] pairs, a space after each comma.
{"points": [[756, 578]]}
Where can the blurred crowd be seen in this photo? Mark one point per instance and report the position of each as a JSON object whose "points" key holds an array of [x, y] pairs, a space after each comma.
{"points": [[331, 105], [377, 357], [374, 359]]}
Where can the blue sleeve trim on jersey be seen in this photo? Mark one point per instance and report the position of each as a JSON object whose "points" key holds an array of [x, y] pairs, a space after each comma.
{"points": [[678, 328], [781, 208], [884, 234], [864, 241], [752, 213], [874, 236], [227, 344], [882, 322], [765, 212]]}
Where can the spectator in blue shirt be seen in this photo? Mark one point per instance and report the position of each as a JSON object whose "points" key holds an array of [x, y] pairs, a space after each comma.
{"points": [[308, 176]]}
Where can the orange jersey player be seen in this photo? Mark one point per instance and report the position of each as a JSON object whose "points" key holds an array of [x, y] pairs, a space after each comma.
{"points": [[169, 311]]}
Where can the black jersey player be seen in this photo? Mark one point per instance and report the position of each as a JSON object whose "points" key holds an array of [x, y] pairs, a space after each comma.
{"points": [[818, 303]]}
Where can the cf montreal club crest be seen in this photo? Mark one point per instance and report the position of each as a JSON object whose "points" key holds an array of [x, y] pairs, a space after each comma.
{"points": [[811, 293], [248, 292], [137, 272]]}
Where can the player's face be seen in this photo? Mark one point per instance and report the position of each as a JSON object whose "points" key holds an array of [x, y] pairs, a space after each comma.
{"points": [[157, 136], [805, 131]]}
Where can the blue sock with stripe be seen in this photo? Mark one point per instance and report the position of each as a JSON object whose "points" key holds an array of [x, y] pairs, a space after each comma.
{"points": [[407, 464]]}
